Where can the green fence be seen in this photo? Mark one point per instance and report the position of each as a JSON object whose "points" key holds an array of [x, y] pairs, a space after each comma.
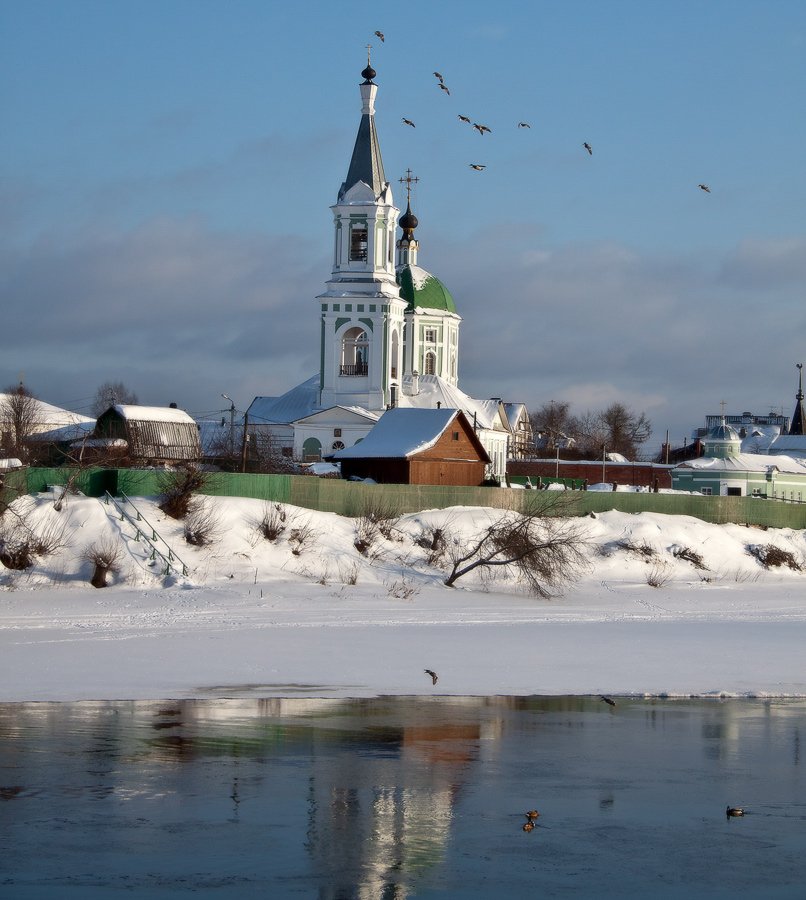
{"points": [[350, 498]]}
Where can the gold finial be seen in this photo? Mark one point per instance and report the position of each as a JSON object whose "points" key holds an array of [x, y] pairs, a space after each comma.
{"points": [[369, 48], [408, 179]]}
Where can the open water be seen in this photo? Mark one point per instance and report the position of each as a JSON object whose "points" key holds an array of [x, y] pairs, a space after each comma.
{"points": [[402, 797]]}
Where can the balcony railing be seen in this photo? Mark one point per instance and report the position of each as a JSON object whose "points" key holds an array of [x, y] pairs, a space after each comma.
{"points": [[360, 370]]}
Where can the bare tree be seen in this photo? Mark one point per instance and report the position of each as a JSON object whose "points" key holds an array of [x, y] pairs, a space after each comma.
{"points": [[109, 393], [541, 545], [105, 556], [20, 417], [553, 421], [625, 429]]}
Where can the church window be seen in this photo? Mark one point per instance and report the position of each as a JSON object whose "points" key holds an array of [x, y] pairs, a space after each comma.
{"points": [[430, 363], [354, 353], [395, 354], [431, 335], [338, 445], [358, 242]]}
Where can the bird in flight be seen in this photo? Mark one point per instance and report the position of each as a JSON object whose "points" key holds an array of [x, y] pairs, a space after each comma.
{"points": [[608, 701], [477, 167], [524, 125], [588, 147], [704, 187], [433, 675], [481, 128], [409, 122], [379, 34], [464, 119], [439, 77], [443, 87]]}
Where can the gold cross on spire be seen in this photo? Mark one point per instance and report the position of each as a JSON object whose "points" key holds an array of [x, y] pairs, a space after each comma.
{"points": [[723, 404], [408, 179], [369, 48]]}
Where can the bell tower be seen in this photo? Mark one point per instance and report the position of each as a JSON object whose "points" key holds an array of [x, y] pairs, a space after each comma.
{"points": [[361, 308]]}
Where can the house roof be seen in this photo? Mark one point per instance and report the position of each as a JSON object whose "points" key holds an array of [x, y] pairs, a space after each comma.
{"points": [[432, 390], [295, 404], [746, 462], [404, 432], [54, 416], [152, 414]]}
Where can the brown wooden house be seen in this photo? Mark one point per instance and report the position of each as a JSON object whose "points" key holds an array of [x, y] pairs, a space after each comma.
{"points": [[417, 446]]}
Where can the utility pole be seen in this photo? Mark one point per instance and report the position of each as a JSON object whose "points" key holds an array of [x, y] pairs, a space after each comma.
{"points": [[231, 424]]}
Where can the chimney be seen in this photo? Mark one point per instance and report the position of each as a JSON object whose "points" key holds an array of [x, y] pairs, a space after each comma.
{"points": [[393, 391]]}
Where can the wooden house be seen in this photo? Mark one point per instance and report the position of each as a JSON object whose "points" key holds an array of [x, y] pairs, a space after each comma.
{"points": [[153, 434], [417, 446]]}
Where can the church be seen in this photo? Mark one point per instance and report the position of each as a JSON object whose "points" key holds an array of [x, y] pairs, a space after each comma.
{"points": [[389, 329]]}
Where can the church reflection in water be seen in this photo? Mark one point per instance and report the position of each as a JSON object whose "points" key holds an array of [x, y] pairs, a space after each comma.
{"points": [[382, 797]]}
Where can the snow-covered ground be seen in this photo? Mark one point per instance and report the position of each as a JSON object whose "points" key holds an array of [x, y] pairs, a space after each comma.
{"points": [[254, 618]]}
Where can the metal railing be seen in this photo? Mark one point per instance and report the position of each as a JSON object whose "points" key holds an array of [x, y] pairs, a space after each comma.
{"points": [[138, 521], [360, 369]]}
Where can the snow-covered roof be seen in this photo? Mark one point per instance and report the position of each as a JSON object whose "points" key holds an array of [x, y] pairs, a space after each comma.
{"points": [[339, 411], [433, 390], [72, 432], [746, 462], [788, 444], [297, 403], [153, 413], [54, 416], [424, 291], [401, 432]]}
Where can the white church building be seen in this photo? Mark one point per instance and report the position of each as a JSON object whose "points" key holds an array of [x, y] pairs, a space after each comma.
{"points": [[389, 330]]}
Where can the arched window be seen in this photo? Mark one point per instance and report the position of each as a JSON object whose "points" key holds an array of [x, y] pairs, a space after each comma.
{"points": [[354, 353], [395, 354], [338, 445], [430, 363], [358, 242]]}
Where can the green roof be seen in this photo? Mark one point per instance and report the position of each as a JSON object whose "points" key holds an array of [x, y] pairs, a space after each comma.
{"points": [[422, 289]]}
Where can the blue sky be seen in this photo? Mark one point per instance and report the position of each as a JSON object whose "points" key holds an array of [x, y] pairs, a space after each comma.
{"points": [[168, 167]]}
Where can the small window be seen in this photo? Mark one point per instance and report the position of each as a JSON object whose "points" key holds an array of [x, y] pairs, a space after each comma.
{"points": [[706, 491], [338, 445], [734, 492], [431, 335], [455, 436]]}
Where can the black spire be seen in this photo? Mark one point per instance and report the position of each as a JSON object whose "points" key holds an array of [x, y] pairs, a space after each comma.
{"points": [[798, 425]]}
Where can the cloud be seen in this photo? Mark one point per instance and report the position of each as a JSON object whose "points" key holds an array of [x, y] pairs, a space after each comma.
{"points": [[770, 264]]}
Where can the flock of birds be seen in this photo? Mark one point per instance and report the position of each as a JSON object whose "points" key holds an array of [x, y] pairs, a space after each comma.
{"points": [[732, 812], [484, 129]]}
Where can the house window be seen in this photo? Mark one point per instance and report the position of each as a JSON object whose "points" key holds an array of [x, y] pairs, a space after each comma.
{"points": [[734, 492], [455, 436], [354, 353], [358, 242], [706, 491]]}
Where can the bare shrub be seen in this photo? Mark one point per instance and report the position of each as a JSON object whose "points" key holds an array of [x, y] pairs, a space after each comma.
{"points": [[349, 574], [647, 551], [105, 555], [376, 518], [302, 536], [201, 523], [402, 588], [772, 557], [15, 549], [544, 548], [178, 487], [273, 522], [689, 555], [433, 539], [659, 574]]}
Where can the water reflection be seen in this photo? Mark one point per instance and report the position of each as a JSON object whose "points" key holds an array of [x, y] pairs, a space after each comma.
{"points": [[401, 797]]}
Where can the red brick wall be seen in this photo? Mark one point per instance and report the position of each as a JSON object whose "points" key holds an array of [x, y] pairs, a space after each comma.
{"points": [[639, 473]]}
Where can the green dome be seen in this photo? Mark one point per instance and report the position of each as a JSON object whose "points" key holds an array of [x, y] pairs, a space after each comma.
{"points": [[421, 289]]}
